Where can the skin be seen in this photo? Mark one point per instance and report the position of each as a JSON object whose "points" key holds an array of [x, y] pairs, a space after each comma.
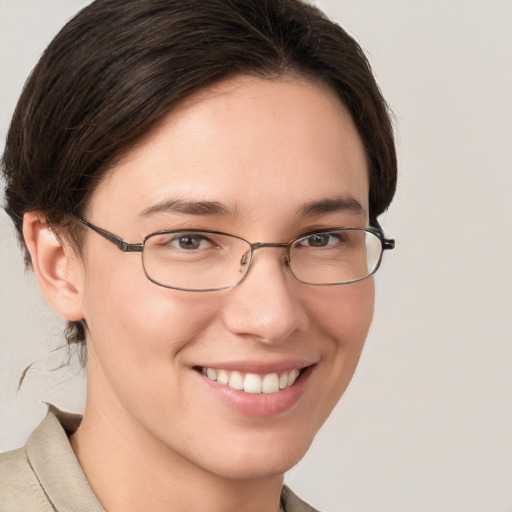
{"points": [[153, 434]]}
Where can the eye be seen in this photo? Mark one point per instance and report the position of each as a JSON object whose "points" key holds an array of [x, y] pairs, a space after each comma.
{"points": [[190, 242], [320, 240]]}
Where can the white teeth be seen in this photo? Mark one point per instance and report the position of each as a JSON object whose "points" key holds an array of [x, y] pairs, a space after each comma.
{"points": [[292, 376], [222, 377], [270, 383], [236, 381], [252, 382], [283, 381]]}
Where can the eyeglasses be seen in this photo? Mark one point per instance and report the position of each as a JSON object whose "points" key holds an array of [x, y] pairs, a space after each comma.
{"points": [[203, 260]]}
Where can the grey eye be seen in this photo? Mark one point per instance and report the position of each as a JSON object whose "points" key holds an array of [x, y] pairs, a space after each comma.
{"points": [[318, 240], [189, 242]]}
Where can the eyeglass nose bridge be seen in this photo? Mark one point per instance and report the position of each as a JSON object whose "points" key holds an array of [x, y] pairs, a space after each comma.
{"points": [[260, 245]]}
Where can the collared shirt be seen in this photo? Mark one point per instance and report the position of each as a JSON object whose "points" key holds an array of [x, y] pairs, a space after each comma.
{"points": [[45, 475]]}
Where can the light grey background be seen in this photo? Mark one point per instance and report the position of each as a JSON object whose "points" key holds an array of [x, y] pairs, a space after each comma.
{"points": [[426, 425]]}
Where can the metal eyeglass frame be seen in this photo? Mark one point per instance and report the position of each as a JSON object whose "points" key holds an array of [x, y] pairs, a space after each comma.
{"points": [[124, 246]]}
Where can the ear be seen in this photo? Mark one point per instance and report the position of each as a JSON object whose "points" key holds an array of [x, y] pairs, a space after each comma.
{"points": [[58, 269]]}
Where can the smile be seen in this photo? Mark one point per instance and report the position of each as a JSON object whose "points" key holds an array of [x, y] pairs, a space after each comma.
{"points": [[252, 382]]}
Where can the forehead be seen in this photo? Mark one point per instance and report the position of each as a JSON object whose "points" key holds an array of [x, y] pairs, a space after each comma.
{"points": [[251, 144]]}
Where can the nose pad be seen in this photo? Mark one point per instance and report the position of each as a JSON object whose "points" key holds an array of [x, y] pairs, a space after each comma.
{"points": [[265, 305], [245, 258], [244, 262]]}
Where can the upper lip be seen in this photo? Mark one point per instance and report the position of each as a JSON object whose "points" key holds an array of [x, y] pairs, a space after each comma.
{"points": [[262, 367]]}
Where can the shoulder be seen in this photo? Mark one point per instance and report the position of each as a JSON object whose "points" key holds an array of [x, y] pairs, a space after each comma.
{"points": [[292, 503], [45, 475], [19, 487]]}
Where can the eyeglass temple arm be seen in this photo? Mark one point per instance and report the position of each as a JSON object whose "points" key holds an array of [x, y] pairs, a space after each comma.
{"points": [[387, 243], [123, 245]]}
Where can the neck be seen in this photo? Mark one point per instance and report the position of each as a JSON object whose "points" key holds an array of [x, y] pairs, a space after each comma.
{"points": [[130, 471]]}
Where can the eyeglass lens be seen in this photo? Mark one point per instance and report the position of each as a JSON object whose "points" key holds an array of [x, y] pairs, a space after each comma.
{"points": [[207, 261]]}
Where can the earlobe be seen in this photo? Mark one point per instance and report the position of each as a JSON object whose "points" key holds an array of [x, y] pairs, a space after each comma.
{"points": [[56, 267]]}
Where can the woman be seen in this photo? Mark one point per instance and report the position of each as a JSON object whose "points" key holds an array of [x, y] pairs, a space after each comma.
{"points": [[244, 149]]}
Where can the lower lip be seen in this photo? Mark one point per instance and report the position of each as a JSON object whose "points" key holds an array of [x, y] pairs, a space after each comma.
{"points": [[260, 404]]}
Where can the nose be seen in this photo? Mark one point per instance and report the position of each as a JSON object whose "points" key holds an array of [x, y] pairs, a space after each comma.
{"points": [[266, 305]]}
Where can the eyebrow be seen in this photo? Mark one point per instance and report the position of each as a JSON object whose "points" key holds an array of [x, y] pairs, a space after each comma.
{"points": [[214, 208], [186, 207], [331, 205]]}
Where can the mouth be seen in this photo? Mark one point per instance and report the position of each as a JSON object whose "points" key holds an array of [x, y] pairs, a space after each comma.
{"points": [[253, 383], [257, 390]]}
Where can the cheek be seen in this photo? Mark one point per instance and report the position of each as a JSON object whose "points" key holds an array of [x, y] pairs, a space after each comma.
{"points": [[345, 312], [135, 322]]}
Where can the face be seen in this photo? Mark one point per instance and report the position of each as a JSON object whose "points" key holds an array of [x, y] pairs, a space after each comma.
{"points": [[262, 151]]}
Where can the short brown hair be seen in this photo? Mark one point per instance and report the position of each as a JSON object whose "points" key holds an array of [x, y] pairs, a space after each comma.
{"points": [[120, 65]]}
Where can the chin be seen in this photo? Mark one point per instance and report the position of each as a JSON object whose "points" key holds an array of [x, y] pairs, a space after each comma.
{"points": [[265, 457]]}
